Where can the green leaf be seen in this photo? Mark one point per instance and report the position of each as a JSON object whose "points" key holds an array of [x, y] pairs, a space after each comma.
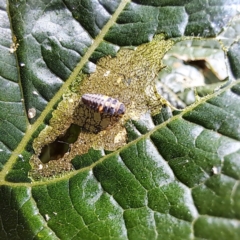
{"points": [[152, 174]]}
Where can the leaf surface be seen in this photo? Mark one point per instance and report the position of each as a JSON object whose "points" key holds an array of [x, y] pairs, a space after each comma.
{"points": [[177, 176]]}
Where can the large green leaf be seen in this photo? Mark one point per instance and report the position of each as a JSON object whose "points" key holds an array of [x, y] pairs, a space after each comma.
{"points": [[176, 176]]}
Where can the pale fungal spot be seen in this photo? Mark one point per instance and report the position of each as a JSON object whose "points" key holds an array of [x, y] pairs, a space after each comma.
{"points": [[106, 73], [119, 80], [35, 93], [47, 217], [40, 166], [31, 113], [13, 48], [216, 170], [120, 136], [22, 64]]}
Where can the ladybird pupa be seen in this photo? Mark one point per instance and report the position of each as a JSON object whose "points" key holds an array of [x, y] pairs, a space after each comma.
{"points": [[104, 104]]}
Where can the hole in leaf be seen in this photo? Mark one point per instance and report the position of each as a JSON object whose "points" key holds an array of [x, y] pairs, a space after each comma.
{"points": [[61, 145]]}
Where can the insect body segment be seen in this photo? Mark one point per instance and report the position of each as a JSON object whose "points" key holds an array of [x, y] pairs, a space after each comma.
{"points": [[104, 104]]}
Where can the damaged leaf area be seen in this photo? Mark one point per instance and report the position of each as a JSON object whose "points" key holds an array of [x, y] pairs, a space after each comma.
{"points": [[195, 67], [130, 78]]}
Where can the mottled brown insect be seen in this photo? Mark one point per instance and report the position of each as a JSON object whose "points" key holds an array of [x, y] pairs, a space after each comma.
{"points": [[104, 104]]}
